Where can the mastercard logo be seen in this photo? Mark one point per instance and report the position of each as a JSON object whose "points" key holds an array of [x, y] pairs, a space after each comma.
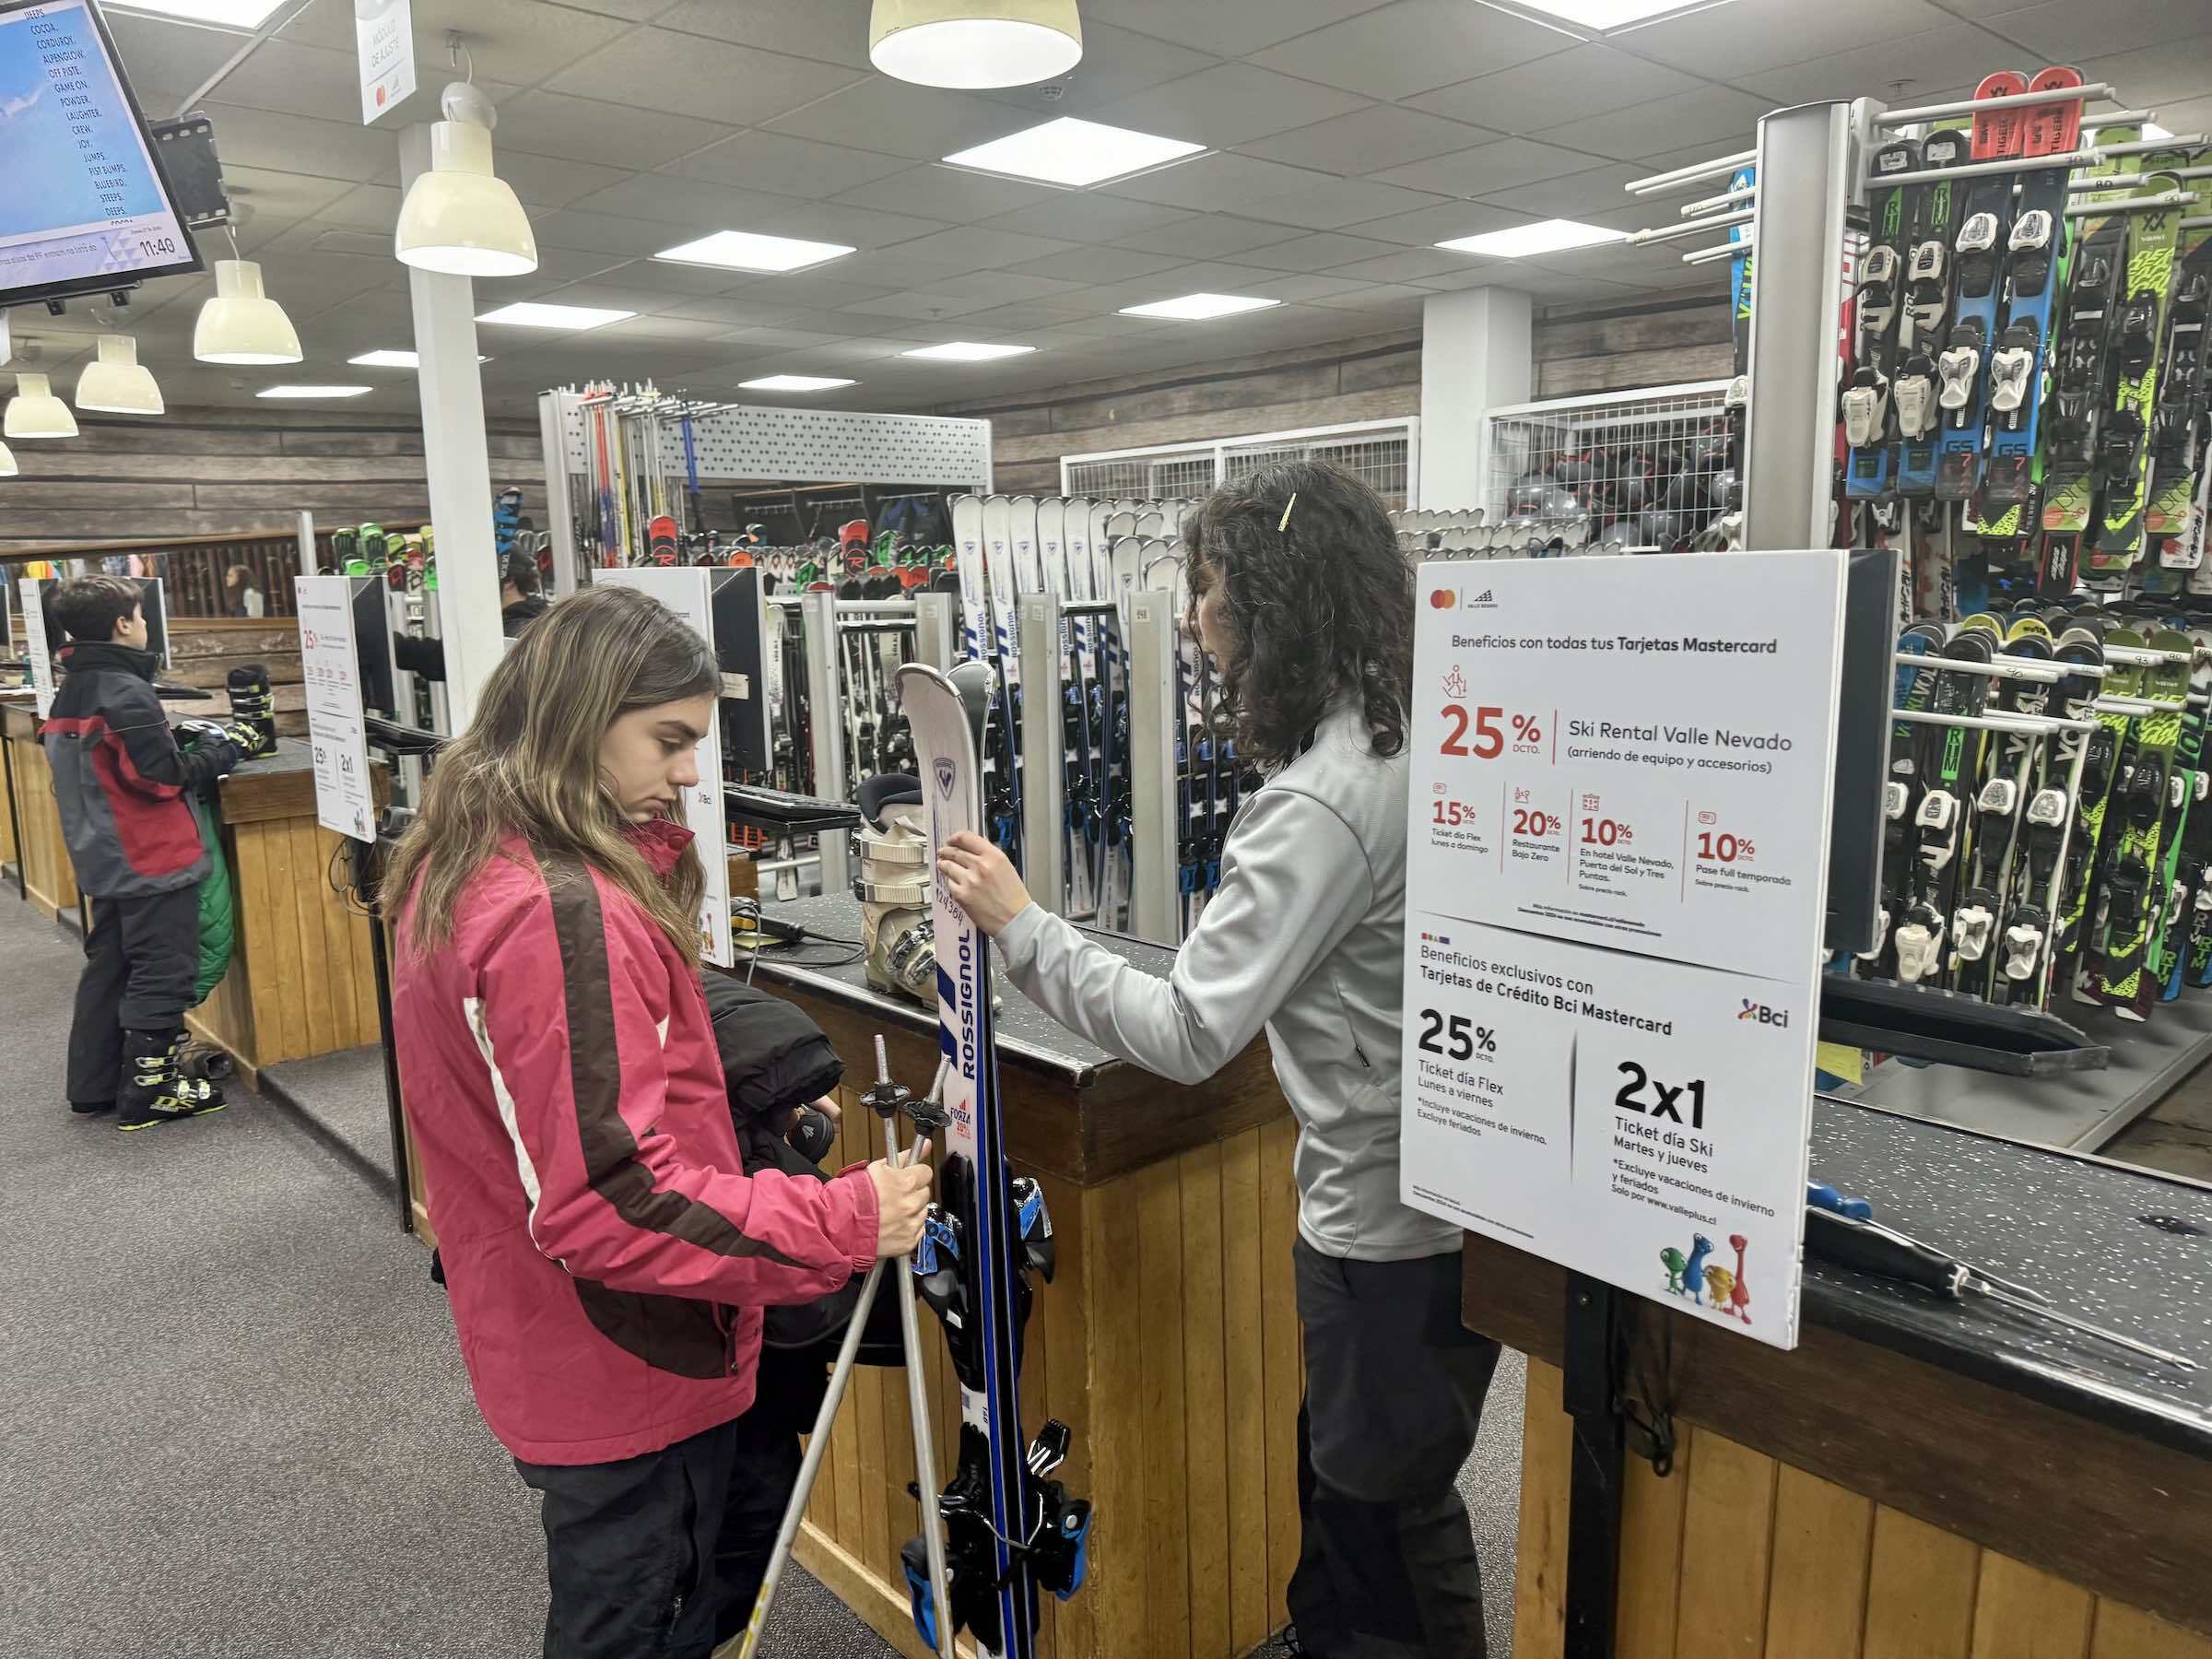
{"points": [[1442, 599]]}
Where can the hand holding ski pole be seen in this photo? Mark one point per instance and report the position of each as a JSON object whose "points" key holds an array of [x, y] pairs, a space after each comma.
{"points": [[983, 880], [901, 1200]]}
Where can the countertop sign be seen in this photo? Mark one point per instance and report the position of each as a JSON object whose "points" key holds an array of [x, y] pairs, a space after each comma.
{"points": [[334, 729], [35, 644]]}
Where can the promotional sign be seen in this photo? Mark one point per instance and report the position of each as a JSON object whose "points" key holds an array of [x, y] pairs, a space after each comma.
{"points": [[34, 643], [384, 33], [331, 671], [1616, 864], [687, 594]]}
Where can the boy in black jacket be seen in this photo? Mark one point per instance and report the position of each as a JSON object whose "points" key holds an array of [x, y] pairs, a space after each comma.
{"points": [[121, 779]]}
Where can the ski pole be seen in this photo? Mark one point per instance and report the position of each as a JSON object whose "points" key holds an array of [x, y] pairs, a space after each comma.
{"points": [[817, 1442]]}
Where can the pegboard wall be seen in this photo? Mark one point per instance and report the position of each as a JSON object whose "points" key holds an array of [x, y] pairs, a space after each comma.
{"points": [[827, 445]]}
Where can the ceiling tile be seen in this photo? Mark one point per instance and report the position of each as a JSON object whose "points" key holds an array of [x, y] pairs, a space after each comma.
{"points": [[261, 197], [1116, 63], [663, 328], [834, 32], [598, 232], [1223, 30], [1727, 119], [1491, 166], [1368, 140], [584, 129], [949, 192], [634, 11], [293, 143], [550, 182], [1211, 236], [1728, 42], [1942, 57], [692, 76], [2179, 69], [746, 309], [299, 80], [891, 269], [1021, 317], [1301, 287], [1098, 264], [1408, 264], [1379, 296], [167, 60], [556, 266], [880, 113], [974, 249], [1216, 182], [1413, 46], [1004, 287], [518, 41], [1321, 252], [1580, 81], [1201, 277], [860, 226], [1581, 195], [689, 203], [667, 276], [1086, 217], [1338, 202], [1113, 328], [1424, 227], [1232, 104], [797, 167]]}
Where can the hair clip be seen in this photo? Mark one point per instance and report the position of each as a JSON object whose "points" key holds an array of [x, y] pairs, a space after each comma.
{"points": [[1284, 526]]}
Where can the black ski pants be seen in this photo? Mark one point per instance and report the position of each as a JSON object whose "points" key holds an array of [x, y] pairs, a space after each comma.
{"points": [[142, 958], [660, 1557], [1394, 1387]]}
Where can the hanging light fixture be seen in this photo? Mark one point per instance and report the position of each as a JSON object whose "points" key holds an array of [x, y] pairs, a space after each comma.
{"points": [[459, 218], [36, 412], [975, 43], [7, 461], [242, 324], [115, 384]]}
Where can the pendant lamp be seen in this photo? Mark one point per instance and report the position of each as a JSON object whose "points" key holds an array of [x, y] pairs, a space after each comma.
{"points": [[36, 412], [7, 461], [242, 324], [458, 216], [975, 43], [115, 384]]}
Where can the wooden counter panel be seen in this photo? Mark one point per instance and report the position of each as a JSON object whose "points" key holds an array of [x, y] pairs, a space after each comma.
{"points": [[49, 879], [1774, 1561]]}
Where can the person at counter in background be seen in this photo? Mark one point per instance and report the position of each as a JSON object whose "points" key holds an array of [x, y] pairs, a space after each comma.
{"points": [[240, 596], [1299, 592], [520, 605], [607, 1259]]}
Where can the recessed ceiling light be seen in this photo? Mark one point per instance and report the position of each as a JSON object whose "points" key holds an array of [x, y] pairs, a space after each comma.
{"points": [[966, 352], [1605, 14], [395, 359], [794, 383], [314, 391], [743, 251], [1548, 236], [530, 313], [235, 14], [1068, 151], [1197, 308]]}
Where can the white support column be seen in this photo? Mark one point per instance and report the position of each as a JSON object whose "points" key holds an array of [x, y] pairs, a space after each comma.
{"points": [[1477, 356], [458, 463]]}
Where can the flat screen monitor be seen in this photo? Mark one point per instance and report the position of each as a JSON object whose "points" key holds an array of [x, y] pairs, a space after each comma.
{"points": [[84, 206]]}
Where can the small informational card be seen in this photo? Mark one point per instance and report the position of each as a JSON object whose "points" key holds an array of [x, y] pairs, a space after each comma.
{"points": [[335, 729], [1617, 870], [35, 644]]}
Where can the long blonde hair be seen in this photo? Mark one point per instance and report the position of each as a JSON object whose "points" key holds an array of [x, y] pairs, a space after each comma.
{"points": [[529, 763]]}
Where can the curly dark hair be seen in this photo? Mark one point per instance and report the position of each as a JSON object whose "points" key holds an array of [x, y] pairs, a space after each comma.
{"points": [[1316, 606]]}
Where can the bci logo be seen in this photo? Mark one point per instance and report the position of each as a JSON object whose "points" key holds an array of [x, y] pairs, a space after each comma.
{"points": [[1764, 1015]]}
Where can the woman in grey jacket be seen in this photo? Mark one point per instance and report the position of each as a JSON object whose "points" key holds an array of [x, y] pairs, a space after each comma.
{"points": [[1301, 594]]}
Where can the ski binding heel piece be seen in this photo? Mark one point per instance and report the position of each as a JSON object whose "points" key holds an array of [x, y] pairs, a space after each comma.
{"points": [[1918, 946]]}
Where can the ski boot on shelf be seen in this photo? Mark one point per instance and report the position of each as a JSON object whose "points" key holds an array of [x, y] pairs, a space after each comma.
{"points": [[893, 889], [254, 709], [155, 1089]]}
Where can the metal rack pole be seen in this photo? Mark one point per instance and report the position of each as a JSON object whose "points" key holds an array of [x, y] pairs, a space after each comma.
{"points": [[937, 630], [825, 696], [1043, 751], [1154, 904]]}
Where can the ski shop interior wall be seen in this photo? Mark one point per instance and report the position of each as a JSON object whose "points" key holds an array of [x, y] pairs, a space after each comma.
{"points": [[220, 472]]}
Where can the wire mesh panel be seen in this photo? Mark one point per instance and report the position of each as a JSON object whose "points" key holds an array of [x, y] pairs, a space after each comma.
{"points": [[1186, 475], [1382, 452], [1382, 464], [1105, 479], [1651, 464]]}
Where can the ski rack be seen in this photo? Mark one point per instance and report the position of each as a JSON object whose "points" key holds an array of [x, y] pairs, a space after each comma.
{"points": [[1154, 722], [1041, 643]]}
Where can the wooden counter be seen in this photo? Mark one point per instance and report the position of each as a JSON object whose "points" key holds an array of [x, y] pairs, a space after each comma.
{"points": [[300, 983], [1917, 1479]]}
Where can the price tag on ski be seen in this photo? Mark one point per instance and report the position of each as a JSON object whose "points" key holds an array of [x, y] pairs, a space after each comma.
{"points": [[686, 592], [35, 644], [1620, 790], [335, 733]]}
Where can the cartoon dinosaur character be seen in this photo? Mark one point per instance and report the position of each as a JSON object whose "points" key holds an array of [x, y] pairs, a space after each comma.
{"points": [[1693, 1271], [1740, 1297], [1719, 1284], [1673, 1261]]}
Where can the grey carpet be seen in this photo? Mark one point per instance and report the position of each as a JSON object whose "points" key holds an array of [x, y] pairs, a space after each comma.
{"points": [[239, 1428]]}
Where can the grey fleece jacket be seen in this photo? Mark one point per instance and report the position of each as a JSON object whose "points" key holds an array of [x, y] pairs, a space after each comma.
{"points": [[1305, 936]]}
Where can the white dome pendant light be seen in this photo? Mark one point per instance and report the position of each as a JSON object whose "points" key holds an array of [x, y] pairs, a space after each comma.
{"points": [[975, 43], [7, 461], [36, 412], [459, 218], [115, 384], [242, 324]]}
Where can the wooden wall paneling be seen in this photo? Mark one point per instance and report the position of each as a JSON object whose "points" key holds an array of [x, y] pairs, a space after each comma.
{"points": [[256, 939], [1823, 1542], [1244, 1385], [7, 756], [1206, 1400], [1650, 1552], [1112, 1289], [2125, 1632], [2021, 1613], [280, 987], [1067, 1349], [1282, 1355], [1727, 1540], [1158, 1195], [309, 854], [1540, 1561], [343, 935]]}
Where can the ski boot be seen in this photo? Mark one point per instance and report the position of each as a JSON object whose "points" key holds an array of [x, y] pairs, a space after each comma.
{"points": [[253, 709], [893, 889], [155, 1089]]}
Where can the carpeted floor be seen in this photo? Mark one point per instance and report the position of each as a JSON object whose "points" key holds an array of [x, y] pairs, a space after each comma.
{"points": [[238, 1424]]}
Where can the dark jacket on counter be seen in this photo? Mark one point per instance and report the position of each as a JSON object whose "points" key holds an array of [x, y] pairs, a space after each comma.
{"points": [[427, 657]]}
